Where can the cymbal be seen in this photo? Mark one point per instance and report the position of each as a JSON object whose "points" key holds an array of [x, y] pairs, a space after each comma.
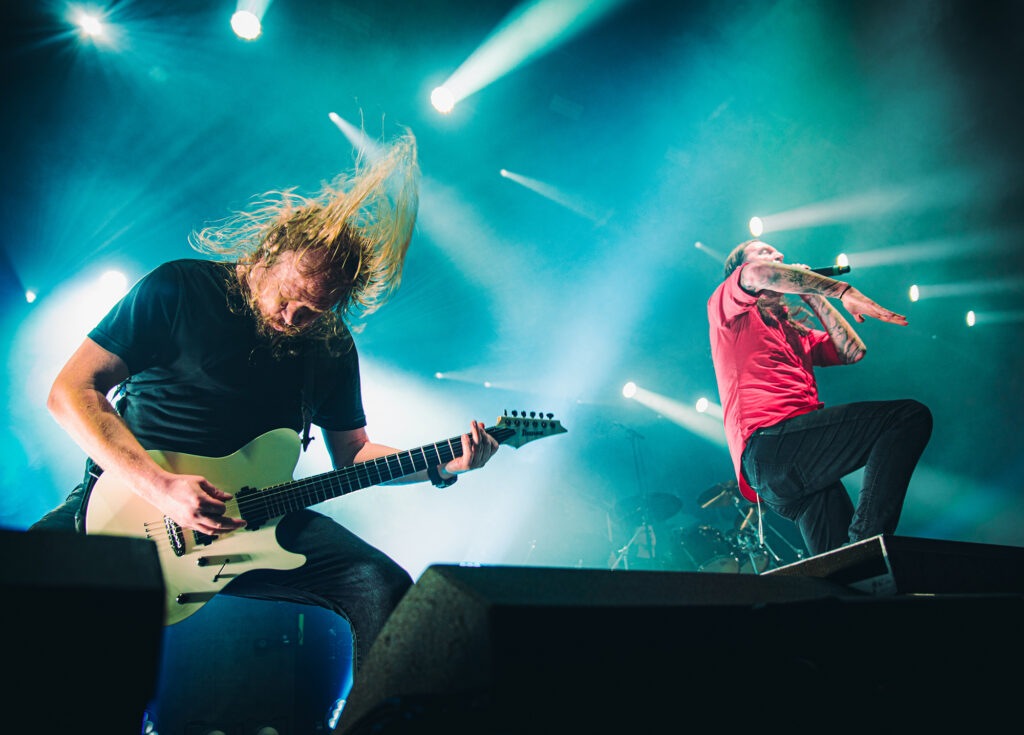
{"points": [[658, 506], [721, 495]]}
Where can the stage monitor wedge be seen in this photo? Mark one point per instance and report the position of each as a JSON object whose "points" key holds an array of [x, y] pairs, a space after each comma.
{"points": [[889, 565], [83, 618], [537, 648]]}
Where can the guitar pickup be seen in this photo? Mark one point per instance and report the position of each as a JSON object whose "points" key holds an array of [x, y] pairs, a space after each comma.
{"points": [[186, 598], [222, 561]]}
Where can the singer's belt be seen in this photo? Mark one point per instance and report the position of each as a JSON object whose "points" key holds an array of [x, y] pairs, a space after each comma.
{"points": [[773, 430]]}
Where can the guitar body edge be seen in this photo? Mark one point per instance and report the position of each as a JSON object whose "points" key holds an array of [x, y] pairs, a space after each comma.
{"points": [[197, 571]]}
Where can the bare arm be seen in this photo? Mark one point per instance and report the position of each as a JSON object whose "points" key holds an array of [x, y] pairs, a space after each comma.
{"points": [[78, 402], [349, 447], [782, 278], [849, 345]]}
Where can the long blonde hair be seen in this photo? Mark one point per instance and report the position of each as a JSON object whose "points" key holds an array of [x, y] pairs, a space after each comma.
{"points": [[353, 234]]}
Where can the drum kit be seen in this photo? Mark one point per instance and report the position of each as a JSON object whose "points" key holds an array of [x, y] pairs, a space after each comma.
{"points": [[729, 539]]}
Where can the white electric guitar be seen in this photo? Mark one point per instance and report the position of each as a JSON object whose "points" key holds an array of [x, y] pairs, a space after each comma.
{"points": [[196, 566]]}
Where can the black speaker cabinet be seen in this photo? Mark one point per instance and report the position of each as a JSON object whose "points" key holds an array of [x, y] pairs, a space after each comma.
{"points": [[82, 622], [513, 650]]}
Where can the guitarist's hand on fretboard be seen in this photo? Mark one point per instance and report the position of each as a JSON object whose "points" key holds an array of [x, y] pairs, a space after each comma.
{"points": [[477, 448]]}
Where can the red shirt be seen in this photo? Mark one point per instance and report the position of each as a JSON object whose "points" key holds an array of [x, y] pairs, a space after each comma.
{"points": [[765, 372]]}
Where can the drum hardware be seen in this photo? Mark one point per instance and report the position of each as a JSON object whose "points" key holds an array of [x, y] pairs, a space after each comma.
{"points": [[745, 549], [640, 511]]}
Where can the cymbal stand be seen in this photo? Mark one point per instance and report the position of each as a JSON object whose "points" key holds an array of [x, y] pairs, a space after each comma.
{"points": [[644, 527], [762, 538], [762, 542]]}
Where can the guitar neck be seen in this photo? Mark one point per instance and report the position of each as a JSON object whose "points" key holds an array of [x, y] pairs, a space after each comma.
{"points": [[260, 505]]}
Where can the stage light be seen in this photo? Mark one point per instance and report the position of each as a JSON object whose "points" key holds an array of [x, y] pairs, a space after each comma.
{"points": [[574, 203], [842, 261], [987, 287], [992, 318], [702, 405], [30, 296], [114, 283], [246, 25], [439, 376], [89, 24], [915, 293], [756, 226], [529, 30], [706, 424], [442, 99], [629, 389]]}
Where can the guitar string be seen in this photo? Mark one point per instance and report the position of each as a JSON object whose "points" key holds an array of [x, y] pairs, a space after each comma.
{"points": [[349, 477], [263, 498]]}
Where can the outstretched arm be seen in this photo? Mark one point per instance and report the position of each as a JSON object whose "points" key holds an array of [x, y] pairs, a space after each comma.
{"points": [[783, 278], [348, 447], [849, 345]]}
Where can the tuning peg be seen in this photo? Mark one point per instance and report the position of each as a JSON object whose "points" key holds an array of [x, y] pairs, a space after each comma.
{"points": [[533, 414], [515, 412], [550, 416]]}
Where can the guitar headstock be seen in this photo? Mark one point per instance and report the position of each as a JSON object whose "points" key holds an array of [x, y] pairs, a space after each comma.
{"points": [[523, 427]]}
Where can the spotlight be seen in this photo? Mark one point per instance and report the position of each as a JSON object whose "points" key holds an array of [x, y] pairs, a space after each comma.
{"points": [[756, 226], [114, 283], [442, 99], [915, 293], [246, 25], [30, 296], [629, 389], [702, 405], [842, 261], [90, 24], [439, 376], [971, 318]]}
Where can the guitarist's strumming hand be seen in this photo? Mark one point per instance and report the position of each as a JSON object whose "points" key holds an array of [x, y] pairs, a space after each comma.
{"points": [[477, 448], [193, 502]]}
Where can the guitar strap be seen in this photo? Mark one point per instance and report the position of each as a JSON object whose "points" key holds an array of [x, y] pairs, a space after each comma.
{"points": [[309, 368]]}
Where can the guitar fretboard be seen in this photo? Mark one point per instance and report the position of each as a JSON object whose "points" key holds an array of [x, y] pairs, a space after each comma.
{"points": [[260, 505]]}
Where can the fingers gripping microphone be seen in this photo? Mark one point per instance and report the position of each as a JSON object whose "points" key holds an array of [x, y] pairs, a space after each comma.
{"points": [[832, 270]]}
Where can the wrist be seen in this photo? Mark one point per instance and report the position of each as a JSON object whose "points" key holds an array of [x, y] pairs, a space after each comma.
{"points": [[437, 477]]}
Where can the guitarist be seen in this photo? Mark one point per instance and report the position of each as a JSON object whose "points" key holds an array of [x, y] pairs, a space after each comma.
{"points": [[209, 354]]}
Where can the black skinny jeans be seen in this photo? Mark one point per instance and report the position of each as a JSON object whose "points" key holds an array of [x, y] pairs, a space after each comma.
{"points": [[796, 467]]}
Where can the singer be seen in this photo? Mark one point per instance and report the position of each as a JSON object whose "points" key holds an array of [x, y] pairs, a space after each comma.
{"points": [[789, 451]]}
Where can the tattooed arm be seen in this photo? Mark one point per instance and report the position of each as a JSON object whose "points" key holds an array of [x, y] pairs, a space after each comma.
{"points": [[771, 276], [848, 343]]}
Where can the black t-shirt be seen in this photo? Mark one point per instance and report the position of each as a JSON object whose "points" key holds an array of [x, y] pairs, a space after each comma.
{"points": [[202, 380]]}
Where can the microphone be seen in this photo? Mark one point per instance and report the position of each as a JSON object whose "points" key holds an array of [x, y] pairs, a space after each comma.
{"points": [[831, 270]]}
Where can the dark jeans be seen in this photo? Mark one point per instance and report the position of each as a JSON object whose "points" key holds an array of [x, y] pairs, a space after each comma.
{"points": [[796, 468], [342, 572]]}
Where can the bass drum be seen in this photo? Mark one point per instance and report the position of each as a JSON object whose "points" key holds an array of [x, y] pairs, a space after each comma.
{"points": [[705, 549]]}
